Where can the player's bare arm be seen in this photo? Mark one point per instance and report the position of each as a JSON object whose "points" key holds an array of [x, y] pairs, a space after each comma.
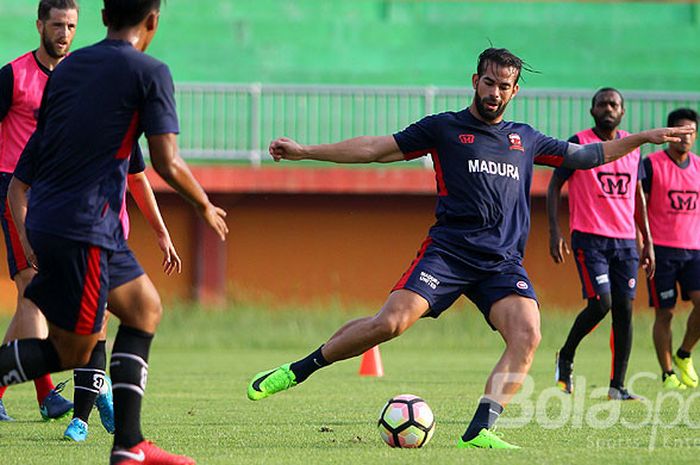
{"points": [[173, 169], [614, 149], [18, 200], [647, 258], [142, 193], [557, 245], [363, 149]]}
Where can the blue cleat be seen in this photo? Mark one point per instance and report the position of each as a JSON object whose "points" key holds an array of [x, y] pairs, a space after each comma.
{"points": [[54, 405], [105, 405], [77, 430], [3, 413]]}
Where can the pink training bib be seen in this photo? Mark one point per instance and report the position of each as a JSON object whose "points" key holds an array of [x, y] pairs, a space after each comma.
{"points": [[673, 205], [602, 199], [20, 122]]}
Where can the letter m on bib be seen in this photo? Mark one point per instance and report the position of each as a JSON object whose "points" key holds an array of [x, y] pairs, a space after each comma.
{"points": [[614, 183], [683, 200]]}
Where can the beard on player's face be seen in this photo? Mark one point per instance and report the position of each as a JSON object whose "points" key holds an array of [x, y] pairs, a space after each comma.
{"points": [[50, 47], [489, 114], [607, 121]]}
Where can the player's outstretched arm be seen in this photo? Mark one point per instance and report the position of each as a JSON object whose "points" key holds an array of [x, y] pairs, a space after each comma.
{"points": [[363, 149], [557, 245], [172, 168], [140, 189], [18, 200], [583, 157], [614, 149]]}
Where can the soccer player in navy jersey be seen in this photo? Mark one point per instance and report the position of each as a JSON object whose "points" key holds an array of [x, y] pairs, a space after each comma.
{"points": [[95, 107], [483, 168]]}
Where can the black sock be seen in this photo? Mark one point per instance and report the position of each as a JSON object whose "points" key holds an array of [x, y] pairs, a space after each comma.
{"points": [[486, 415], [88, 380], [27, 359], [303, 368], [666, 374], [622, 340], [682, 353], [129, 370], [589, 317]]}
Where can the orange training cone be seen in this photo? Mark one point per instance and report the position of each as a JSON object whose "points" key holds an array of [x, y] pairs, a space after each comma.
{"points": [[372, 363]]}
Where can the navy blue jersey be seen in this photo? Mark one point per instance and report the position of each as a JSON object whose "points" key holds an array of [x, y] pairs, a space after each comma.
{"points": [[483, 175], [96, 105]]}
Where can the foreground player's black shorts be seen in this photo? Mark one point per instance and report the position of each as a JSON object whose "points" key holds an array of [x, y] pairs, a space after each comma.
{"points": [[74, 279]]}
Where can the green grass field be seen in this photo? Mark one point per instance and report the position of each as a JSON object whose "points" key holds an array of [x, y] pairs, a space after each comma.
{"points": [[201, 363]]}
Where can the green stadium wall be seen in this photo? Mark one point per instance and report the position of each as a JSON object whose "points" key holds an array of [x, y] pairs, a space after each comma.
{"points": [[630, 45]]}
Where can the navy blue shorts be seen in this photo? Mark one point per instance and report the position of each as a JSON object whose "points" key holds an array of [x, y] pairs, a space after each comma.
{"points": [[440, 278], [74, 279], [606, 266], [16, 261], [673, 266]]}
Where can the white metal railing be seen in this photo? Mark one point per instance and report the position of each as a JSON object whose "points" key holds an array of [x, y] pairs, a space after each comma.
{"points": [[237, 121]]}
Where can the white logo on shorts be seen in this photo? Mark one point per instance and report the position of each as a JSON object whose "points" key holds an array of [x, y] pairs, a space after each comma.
{"points": [[429, 279], [602, 279], [522, 285], [669, 294], [631, 283]]}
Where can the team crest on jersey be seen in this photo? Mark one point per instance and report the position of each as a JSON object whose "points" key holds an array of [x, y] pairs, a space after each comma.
{"points": [[615, 183], [683, 200], [466, 138], [515, 142]]}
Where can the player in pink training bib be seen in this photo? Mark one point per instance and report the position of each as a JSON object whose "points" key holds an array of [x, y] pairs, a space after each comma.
{"points": [[604, 203], [22, 83], [672, 187]]}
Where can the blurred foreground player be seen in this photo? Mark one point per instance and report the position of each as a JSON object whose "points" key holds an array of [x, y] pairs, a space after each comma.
{"points": [[672, 186], [22, 83], [92, 385], [483, 168], [96, 104], [604, 203]]}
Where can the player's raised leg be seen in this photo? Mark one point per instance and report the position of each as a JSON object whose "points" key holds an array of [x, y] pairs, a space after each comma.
{"points": [[400, 311], [517, 319]]}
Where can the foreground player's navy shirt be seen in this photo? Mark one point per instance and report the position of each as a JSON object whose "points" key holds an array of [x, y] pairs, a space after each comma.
{"points": [[96, 105], [483, 175]]}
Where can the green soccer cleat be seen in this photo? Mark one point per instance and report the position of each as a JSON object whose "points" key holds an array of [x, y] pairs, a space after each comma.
{"points": [[688, 375], [672, 382], [486, 439], [270, 382]]}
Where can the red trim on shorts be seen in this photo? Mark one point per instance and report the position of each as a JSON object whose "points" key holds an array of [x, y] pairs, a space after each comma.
{"points": [[129, 139], [414, 263], [612, 351], [654, 295], [587, 283], [91, 292], [21, 262]]}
